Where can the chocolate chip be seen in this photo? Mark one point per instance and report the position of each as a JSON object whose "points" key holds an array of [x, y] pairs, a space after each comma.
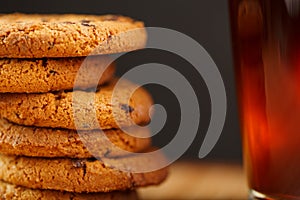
{"points": [[127, 108], [52, 72], [59, 95], [87, 24], [17, 115], [79, 163], [68, 22], [50, 45], [85, 21]]}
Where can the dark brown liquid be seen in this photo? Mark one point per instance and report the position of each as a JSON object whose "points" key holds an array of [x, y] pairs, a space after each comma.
{"points": [[266, 43]]}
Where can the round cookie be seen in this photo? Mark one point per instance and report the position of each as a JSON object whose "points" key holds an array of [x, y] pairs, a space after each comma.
{"points": [[56, 110], [46, 142], [44, 75], [13, 192], [69, 35], [77, 175]]}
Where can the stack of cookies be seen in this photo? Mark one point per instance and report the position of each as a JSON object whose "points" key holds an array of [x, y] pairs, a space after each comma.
{"points": [[52, 149]]}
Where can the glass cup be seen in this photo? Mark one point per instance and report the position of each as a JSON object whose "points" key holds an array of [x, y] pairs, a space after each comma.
{"points": [[266, 46]]}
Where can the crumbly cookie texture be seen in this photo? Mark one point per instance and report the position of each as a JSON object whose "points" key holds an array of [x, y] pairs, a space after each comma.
{"points": [[13, 192], [46, 142], [40, 36], [77, 175], [110, 107], [44, 75]]}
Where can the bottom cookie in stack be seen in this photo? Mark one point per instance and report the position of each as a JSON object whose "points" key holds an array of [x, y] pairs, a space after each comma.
{"points": [[47, 163], [13, 192]]}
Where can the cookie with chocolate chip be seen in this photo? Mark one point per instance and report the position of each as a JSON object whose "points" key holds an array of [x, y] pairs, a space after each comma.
{"points": [[79, 175], [69, 35], [47, 142], [118, 104], [44, 75]]}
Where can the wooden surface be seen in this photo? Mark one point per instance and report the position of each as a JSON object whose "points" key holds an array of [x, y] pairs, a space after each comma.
{"points": [[198, 180]]}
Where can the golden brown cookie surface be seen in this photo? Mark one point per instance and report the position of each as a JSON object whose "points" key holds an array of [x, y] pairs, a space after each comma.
{"points": [[77, 175], [40, 36], [46, 142], [13, 192], [44, 75], [61, 109]]}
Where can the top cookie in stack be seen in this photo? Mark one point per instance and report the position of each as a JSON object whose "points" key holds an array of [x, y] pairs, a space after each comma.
{"points": [[49, 36], [41, 59]]}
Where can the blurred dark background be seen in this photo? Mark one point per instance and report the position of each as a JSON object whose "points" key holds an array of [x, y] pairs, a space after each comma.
{"points": [[206, 21]]}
